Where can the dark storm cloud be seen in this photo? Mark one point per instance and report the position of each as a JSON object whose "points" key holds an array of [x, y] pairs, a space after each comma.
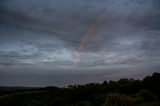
{"points": [[55, 19], [124, 21], [45, 36], [150, 18], [134, 31]]}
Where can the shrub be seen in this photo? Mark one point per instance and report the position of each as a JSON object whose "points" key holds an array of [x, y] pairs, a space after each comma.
{"points": [[115, 99], [98, 100], [144, 95]]}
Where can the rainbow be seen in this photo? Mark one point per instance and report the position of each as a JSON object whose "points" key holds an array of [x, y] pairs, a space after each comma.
{"points": [[89, 32]]}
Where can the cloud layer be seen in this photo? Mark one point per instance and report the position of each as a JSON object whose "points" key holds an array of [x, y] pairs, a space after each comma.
{"points": [[58, 36]]}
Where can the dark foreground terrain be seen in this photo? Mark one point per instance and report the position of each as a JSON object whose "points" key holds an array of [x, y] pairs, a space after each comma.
{"points": [[124, 92]]}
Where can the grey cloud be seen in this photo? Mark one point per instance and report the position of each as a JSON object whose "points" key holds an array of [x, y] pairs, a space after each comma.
{"points": [[58, 22], [48, 34]]}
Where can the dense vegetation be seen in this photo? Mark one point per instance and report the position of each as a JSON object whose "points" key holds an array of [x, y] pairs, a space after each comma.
{"points": [[124, 92]]}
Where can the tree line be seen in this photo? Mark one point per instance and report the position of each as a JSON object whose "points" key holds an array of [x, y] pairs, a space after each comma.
{"points": [[124, 92]]}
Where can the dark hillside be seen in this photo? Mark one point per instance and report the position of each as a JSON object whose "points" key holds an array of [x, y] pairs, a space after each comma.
{"points": [[124, 92]]}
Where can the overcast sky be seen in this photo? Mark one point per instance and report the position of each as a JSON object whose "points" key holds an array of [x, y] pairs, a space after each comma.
{"points": [[61, 42]]}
